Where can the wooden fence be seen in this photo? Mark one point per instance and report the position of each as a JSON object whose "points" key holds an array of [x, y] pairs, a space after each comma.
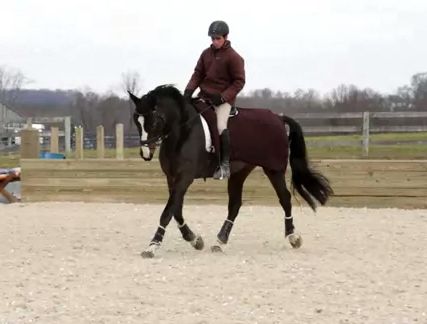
{"points": [[358, 183], [362, 123], [372, 183]]}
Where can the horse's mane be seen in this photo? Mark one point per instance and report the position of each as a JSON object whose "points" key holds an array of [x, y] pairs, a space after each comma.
{"points": [[166, 91], [170, 92]]}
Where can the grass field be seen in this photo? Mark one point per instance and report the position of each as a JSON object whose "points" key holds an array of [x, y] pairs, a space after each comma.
{"points": [[383, 146]]}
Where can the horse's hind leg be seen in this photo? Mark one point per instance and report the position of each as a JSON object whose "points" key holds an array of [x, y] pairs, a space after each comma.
{"points": [[235, 186], [277, 179]]}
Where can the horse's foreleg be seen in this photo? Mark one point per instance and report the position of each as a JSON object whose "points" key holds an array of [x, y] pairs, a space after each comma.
{"points": [[156, 241], [235, 186], [187, 234], [173, 207]]}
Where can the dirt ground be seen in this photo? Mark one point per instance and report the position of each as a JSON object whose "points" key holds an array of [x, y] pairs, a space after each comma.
{"points": [[80, 263]]}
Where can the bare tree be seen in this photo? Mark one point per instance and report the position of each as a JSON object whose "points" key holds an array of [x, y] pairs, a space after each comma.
{"points": [[84, 108], [11, 81], [419, 86], [131, 81], [404, 98]]}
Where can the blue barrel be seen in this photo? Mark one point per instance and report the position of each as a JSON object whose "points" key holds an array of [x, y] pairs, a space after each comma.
{"points": [[49, 155]]}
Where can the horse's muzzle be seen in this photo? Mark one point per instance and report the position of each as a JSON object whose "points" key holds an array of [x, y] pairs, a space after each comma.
{"points": [[147, 151]]}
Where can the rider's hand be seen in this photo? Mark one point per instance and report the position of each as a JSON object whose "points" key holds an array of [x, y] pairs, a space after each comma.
{"points": [[188, 95], [216, 99]]}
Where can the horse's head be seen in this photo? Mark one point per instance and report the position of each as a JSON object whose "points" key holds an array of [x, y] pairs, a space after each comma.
{"points": [[155, 113]]}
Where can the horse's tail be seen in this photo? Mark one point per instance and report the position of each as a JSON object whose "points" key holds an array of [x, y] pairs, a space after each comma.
{"points": [[306, 181]]}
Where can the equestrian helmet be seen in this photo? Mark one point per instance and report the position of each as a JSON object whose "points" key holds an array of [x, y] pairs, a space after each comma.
{"points": [[218, 27]]}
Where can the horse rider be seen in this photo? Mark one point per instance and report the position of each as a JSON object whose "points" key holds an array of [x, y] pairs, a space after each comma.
{"points": [[220, 74]]}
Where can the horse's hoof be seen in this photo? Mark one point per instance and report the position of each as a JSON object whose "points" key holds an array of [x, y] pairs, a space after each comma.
{"points": [[150, 251], [216, 249], [295, 240], [198, 243], [147, 254]]}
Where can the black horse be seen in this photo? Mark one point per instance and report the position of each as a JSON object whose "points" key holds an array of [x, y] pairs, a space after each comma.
{"points": [[163, 115]]}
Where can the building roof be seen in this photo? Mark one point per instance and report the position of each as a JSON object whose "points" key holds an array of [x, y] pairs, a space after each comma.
{"points": [[9, 116]]}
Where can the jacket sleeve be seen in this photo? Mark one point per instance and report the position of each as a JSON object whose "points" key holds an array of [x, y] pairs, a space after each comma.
{"points": [[198, 75], [237, 74]]}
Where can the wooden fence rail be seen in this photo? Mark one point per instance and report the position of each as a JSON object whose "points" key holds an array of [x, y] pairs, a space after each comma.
{"points": [[358, 183], [364, 124]]}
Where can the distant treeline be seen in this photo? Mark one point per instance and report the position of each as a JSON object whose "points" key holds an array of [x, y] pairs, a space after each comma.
{"points": [[90, 109]]}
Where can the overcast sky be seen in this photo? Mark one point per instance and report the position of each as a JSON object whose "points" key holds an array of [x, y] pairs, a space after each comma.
{"points": [[286, 44]]}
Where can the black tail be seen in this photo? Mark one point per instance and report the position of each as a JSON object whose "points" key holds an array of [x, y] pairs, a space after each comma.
{"points": [[306, 181]]}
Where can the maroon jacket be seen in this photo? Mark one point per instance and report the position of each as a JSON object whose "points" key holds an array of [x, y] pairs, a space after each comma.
{"points": [[219, 71]]}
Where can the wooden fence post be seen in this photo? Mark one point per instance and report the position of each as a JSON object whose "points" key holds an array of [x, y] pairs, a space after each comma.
{"points": [[54, 140], [79, 142], [119, 142], [365, 130], [67, 134], [100, 144], [30, 143]]}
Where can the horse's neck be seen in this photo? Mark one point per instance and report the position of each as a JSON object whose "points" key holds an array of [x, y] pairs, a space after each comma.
{"points": [[189, 113], [187, 119], [180, 130]]}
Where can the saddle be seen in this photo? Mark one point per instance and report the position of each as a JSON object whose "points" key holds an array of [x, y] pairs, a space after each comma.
{"points": [[258, 136], [233, 111]]}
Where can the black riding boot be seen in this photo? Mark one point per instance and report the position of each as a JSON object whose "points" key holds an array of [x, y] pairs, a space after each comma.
{"points": [[223, 170]]}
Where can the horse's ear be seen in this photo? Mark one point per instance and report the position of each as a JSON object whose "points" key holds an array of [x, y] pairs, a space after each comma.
{"points": [[134, 98]]}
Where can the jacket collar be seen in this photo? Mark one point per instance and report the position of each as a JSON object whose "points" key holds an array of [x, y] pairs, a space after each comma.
{"points": [[226, 45]]}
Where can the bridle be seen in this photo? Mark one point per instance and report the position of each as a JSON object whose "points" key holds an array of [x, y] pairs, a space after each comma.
{"points": [[158, 137], [162, 118]]}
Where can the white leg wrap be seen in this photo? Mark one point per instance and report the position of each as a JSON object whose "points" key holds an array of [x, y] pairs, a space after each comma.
{"points": [[153, 247], [220, 243], [181, 226]]}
